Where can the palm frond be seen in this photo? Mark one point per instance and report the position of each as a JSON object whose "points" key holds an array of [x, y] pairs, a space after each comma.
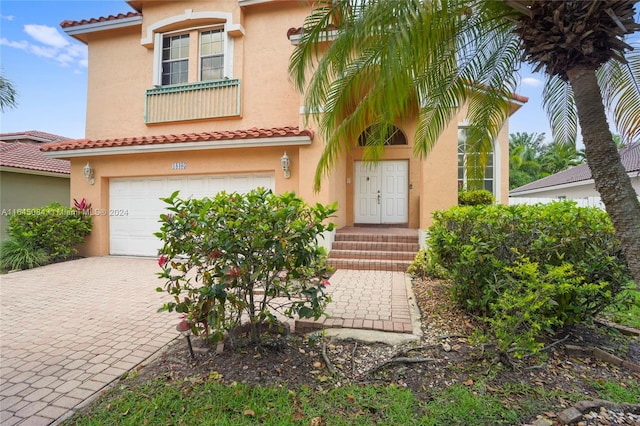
{"points": [[557, 99], [393, 60], [8, 94], [620, 86]]}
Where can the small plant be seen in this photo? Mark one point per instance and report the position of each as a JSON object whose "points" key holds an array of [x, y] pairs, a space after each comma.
{"points": [[18, 254], [479, 197], [51, 232], [243, 254], [536, 302], [423, 265], [626, 311]]}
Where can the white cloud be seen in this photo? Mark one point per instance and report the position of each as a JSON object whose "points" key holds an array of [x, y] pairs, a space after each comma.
{"points": [[46, 35], [23, 45], [531, 82], [49, 43], [7, 17]]}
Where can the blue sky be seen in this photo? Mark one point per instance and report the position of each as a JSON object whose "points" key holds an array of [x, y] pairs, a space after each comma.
{"points": [[49, 69]]}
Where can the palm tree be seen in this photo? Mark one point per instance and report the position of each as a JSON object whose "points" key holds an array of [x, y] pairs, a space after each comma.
{"points": [[426, 58], [524, 149], [7, 94], [556, 157]]}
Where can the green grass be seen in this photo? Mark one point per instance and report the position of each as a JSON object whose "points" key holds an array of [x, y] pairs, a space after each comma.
{"points": [[619, 392], [208, 402], [458, 405], [626, 313], [211, 403]]}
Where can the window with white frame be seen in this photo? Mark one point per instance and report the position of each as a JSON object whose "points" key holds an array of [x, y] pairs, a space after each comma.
{"points": [[469, 163], [212, 55], [211, 45], [175, 59]]}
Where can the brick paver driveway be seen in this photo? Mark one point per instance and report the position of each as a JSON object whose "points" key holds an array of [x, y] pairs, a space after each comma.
{"points": [[68, 330]]}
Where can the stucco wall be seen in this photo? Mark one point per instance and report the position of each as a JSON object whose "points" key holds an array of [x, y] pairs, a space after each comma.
{"points": [[23, 191], [121, 69]]}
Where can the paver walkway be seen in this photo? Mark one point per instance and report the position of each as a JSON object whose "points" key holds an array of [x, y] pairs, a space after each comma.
{"points": [[369, 300], [70, 329]]}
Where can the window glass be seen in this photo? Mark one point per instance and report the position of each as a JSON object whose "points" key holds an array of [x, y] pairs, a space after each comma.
{"points": [[175, 59], [394, 136], [466, 163], [212, 55]]}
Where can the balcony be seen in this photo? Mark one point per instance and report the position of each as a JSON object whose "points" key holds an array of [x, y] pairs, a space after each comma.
{"points": [[192, 101]]}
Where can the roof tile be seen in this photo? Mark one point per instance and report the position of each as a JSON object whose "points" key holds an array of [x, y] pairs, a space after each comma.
{"points": [[254, 133], [29, 157], [69, 24], [34, 135]]}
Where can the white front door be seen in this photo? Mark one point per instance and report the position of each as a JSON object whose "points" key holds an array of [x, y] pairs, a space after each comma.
{"points": [[381, 192]]}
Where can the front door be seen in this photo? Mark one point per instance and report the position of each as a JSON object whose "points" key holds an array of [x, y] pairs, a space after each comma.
{"points": [[381, 192]]}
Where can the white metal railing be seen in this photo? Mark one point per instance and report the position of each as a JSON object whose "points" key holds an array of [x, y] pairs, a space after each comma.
{"points": [[192, 101]]}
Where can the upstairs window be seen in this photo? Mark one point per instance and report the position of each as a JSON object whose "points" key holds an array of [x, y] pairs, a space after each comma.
{"points": [[175, 59], [212, 55], [210, 45], [192, 47]]}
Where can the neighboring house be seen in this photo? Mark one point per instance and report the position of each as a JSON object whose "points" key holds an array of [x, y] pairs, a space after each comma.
{"points": [[196, 96], [28, 179], [576, 183]]}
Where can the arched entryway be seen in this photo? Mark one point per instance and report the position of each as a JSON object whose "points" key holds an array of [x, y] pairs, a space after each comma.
{"points": [[381, 192]]}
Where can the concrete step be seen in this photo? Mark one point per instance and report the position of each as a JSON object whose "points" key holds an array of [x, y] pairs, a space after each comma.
{"points": [[377, 238], [376, 246], [373, 254], [370, 264]]}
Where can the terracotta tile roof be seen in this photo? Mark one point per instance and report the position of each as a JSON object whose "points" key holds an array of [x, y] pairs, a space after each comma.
{"points": [[253, 133], [29, 157], [34, 135], [630, 158], [68, 24]]}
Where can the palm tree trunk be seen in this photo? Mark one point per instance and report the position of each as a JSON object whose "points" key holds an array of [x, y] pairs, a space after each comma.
{"points": [[611, 179]]}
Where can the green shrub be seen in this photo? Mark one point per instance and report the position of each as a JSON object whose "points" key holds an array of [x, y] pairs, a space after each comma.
{"points": [[18, 254], [218, 251], [423, 265], [529, 269], [479, 197], [56, 230]]}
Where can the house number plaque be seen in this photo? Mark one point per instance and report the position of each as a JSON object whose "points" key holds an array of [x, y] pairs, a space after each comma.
{"points": [[179, 166]]}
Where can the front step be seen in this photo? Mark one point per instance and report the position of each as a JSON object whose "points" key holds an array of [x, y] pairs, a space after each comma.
{"points": [[373, 255], [373, 245], [374, 249], [370, 264]]}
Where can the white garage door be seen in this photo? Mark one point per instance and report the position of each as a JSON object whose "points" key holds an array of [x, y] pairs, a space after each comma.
{"points": [[135, 205]]}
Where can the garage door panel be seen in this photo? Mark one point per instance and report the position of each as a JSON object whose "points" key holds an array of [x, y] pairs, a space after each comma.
{"points": [[132, 233]]}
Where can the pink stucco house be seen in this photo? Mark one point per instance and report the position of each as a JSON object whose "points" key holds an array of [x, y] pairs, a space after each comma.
{"points": [[196, 96]]}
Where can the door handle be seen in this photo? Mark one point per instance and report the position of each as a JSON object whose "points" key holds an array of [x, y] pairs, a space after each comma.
{"points": [[378, 197]]}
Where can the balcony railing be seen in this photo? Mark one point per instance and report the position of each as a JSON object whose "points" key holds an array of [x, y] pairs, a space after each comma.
{"points": [[192, 101]]}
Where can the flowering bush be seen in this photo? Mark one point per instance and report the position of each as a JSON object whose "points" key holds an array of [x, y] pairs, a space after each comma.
{"points": [[54, 231], [243, 254]]}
